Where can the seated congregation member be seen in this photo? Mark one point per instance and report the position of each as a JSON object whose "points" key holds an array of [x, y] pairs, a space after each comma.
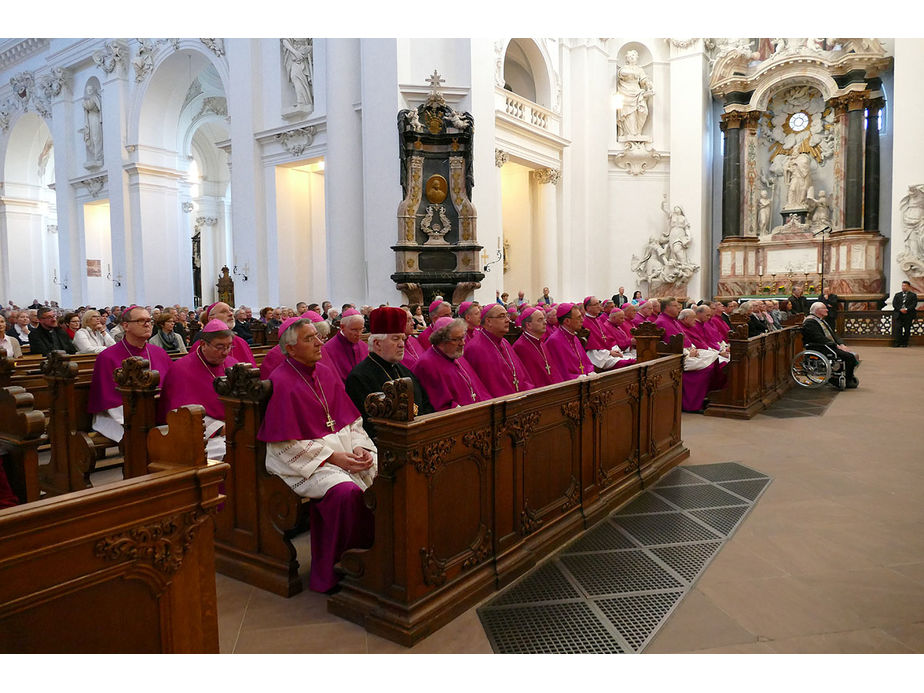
{"points": [[799, 302], [601, 348], [412, 348], [242, 325], [190, 379], [619, 336], [565, 347], [644, 313], [275, 356], [700, 368], [104, 401], [536, 361], [444, 373], [712, 336], [470, 311], [20, 329], [346, 349], [492, 357], [166, 336], [48, 337], [316, 443], [756, 326], [386, 350], [438, 309], [698, 339], [8, 344], [817, 331], [92, 337], [222, 311], [420, 322], [71, 324]]}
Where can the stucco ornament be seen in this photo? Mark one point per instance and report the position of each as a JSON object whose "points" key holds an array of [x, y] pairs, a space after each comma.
{"points": [[664, 258], [911, 259]]}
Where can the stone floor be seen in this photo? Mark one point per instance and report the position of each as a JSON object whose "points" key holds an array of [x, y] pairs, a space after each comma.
{"points": [[831, 559]]}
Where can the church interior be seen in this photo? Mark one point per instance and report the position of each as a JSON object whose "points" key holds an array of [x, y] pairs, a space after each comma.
{"points": [[263, 172]]}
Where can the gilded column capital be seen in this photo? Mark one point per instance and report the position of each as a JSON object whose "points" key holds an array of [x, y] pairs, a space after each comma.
{"points": [[500, 157], [547, 175]]}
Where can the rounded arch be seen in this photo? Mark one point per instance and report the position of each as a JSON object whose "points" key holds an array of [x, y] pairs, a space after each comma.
{"points": [[155, 112], [797, 74], [527, 68], [29, 151]]}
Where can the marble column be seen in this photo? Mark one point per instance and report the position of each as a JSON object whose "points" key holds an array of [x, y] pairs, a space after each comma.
{"points": [[731, 175], [546, 225], [853, 173], [871, 168]]}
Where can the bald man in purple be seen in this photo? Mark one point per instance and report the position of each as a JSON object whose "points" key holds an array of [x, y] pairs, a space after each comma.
{"points": [[346, 349]]}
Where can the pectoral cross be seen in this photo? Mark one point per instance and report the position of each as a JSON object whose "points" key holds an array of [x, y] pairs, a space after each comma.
{"points": [[516, 383], [548, 370], [331, 424]]}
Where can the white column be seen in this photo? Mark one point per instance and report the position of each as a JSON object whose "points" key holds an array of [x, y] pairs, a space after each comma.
{"points": [[547, 231], [248, 198], [125, 237], [907, 127], [343, 172], [381, 188], [486, 195], [690, 164]]}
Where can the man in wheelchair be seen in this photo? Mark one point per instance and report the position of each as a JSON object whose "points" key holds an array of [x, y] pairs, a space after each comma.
{"points": [[817, 335]]}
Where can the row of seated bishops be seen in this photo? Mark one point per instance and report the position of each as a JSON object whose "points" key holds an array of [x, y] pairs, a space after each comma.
{"points": [[318, 437]]}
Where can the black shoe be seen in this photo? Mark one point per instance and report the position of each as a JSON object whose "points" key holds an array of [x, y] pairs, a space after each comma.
{"points": [[905, 346], [852, 384]]}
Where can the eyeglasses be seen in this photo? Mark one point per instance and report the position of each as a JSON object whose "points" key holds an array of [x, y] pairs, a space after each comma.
{"points": [[457, 340], [223, 348], [142, 321]]}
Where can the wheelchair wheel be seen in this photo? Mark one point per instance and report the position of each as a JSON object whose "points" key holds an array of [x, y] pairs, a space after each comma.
{"points": [[810, 369]]}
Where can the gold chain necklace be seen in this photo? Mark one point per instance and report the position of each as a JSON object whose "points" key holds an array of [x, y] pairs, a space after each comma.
{"points": [[131, 355], [322, 399], [509, 362]]}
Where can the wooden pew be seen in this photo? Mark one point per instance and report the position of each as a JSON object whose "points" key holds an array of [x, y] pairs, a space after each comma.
{"points": [[758, 372], [21, 432], [467, 500], [125, 567], [254, 530]]}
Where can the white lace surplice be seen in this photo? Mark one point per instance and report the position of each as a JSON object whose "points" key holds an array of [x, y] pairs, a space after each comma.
{"points": [[298, 462]]}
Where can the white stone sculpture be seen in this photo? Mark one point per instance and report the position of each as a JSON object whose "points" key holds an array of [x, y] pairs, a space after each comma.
{"points": [[299, 69], [216, 45], [93, 127], [911, 259], [109, 58], [763, 213], [23, 84], [635, 89], [144, 61], [413, 121], [798, 178], [664, 259], [436, 231], [820, 209], [51, 84]]}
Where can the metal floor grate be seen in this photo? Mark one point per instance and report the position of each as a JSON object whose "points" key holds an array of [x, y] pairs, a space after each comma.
{"points": [[612, 588]]}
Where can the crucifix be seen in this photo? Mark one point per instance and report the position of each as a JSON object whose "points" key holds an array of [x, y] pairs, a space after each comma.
{"points": [[435, 81]]}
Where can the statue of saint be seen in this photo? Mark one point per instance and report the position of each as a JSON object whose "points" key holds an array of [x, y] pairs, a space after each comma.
{"points": [[225, 287], [678, 233], [798, 180], [763, 213], [635, 89], [93, 128], [821, 213], [297, 54]]}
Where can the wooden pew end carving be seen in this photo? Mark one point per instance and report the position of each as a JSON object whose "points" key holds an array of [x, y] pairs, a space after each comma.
{"points": [[395, 402], [179, 443]]}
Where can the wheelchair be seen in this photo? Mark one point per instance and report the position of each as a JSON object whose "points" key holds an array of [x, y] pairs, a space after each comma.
{"points": [[817, 365]]}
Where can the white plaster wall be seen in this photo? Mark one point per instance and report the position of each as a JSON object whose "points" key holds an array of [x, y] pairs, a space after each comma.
{"points": [[295, 238], [518, 230], [98, 247], [908, 149]]}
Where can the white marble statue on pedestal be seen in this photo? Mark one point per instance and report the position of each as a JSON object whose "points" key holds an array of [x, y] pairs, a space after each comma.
{"points": [[763, 213], [798, 179], [93, 127], [635, 89], [911, 259], [297, 52], [820, 209], [664, 260]]}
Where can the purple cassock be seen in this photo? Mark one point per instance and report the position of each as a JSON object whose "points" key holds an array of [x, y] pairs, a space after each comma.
{"points": [[597, 338], [449, 382], [103, 394], [340, 520], [341, 355], [567, 352], [619, 336], [274, 357], [241, 352], [190, 382], [497, 364], [423, 339], [412, 351], [696, 384], [536, 361], [717, 327]]}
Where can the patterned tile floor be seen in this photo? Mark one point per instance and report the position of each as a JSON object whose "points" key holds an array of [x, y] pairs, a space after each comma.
{"points": [[612, 588], [799, 401]]}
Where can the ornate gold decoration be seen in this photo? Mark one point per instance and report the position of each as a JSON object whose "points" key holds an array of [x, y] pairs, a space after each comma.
{"points": [[434, 569], [395, 402], [436, 188], [135, 374], [410, 261], [479, 440], [163, 544], [481, 549]]}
